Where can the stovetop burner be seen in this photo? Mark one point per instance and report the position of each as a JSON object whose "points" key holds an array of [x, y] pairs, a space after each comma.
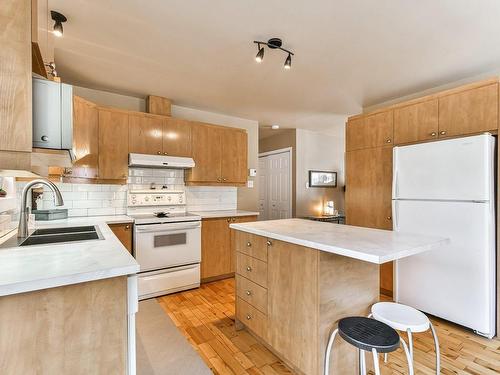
{"points": [[161, 214]]}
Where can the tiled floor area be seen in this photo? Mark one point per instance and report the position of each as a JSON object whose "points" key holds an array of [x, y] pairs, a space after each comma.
{"points": [[206, 317]]}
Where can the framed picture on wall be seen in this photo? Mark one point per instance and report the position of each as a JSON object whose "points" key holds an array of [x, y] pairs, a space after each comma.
{"points": [[322, 179]]}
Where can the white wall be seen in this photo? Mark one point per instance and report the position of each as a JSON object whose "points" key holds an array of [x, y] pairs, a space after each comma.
{"points": [[316, 151]]}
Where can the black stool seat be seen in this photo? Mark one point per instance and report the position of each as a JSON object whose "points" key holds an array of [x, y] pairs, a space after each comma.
{"points": [[367, 334]]}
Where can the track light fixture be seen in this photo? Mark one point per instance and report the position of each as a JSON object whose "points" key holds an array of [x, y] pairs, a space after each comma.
{"points": [[59, 19], [273, 43]]}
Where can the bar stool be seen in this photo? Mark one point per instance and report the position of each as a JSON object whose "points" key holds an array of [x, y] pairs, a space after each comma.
{"points": [[405, 318], [367, 335]]}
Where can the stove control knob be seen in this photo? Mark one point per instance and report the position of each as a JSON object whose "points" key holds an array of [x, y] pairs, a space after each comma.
{"points": [[146, 199], [134, 201], [133, 196], [169, 198]]}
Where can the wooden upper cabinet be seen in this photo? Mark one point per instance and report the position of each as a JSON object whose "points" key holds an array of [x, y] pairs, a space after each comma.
{"points": [[416, 122], [113, 144], [15, 77], [370, 131], [85, 138], [207, 153], [470, 111], [369, 188], [177, 137], [145, 135], [234, 156]]}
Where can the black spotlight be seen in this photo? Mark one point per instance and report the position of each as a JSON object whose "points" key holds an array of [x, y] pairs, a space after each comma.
{"points": [[288, 62], [59, 19]]}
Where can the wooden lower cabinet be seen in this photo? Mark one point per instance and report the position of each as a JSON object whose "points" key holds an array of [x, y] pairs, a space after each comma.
{"points": [[124, 233], [74, 329], [307, 291], [217, 258]]}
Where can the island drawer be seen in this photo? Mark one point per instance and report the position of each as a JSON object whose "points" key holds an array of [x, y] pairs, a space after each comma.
{"points": [[250, 244], [252, 293], [251, 317], [252, 268]]}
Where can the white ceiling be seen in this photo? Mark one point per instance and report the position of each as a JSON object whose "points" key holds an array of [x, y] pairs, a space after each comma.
{"points": [[349, 53]]}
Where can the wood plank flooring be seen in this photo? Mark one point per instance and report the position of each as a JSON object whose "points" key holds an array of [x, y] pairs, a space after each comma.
{"points": [[206, 318]]}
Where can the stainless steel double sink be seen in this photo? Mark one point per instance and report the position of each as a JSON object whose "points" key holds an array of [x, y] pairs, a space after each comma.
{"points": [[45, 236]]}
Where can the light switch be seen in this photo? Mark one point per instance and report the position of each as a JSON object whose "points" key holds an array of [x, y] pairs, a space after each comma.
{"points": [[250, 183]]}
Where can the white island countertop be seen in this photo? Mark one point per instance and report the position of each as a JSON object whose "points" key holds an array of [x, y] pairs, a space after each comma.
{"points": [[29, 268], [370, 245]]}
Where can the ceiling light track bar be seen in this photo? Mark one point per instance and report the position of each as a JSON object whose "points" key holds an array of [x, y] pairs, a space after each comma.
{"points": [[272, 46]]}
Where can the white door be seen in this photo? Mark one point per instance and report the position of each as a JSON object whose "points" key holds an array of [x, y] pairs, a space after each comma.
{"points": [[275, 184], [457, 281], [454, 169]]}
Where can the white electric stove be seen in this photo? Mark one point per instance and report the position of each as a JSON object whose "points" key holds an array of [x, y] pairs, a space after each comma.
{"points": [[167, 242]]}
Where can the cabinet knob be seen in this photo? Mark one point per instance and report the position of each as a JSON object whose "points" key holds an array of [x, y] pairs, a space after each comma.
{"points": [[44, 138], [433, 134], [224, 179], [249, 244], [269, 243], [442, 132], [159, 152], [388, 140], [233, 219], [164, 153], [389, 218], [228, 219], [127, 226], [249, 317], [219, 179], [248, 292], [249, 269]]}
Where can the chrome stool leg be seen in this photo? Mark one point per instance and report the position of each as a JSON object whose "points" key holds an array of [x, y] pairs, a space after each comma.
{"points": [[438, 352], [329, 352], [362, 362], [409, 359], [375, 362], [410, 342]]}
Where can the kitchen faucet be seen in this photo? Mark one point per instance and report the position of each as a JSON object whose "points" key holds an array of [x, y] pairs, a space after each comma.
{"points": [[22, 231]]}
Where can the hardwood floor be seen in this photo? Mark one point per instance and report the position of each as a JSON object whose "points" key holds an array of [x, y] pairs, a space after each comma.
{"points": [[206, 317]]}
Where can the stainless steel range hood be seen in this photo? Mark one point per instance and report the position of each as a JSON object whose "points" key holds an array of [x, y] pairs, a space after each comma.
{"points": [[159, 161]]}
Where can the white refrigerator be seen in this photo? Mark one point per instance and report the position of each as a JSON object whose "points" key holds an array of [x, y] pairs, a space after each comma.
{"points": [[446, 188]]}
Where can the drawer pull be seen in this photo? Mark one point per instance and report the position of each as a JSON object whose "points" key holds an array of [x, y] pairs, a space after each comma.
{"points": [[127, 226], [228, 219], [433, 134], [269, 243], [388, 140], [442, 132], [248, 292], [249, 269], [389, 218], [249, 244], [249, 317]]}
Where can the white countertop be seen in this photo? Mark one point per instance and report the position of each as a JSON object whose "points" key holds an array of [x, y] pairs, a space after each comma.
{"points": [[224, 213], [371, 245], [29, 268]]}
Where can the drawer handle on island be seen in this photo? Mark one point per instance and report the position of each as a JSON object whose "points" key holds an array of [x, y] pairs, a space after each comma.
{"points": [[248, 292], [433, 134], [249, 244], [249, 269], [269, 243], [442, 132]]}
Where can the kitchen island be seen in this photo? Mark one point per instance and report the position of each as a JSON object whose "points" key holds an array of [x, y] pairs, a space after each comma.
{"points": [[296, 278]]}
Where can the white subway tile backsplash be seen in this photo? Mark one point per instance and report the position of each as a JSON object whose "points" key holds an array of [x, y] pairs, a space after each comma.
{"points": [[87, 204], [100, 211], [120, 195], [87, 187], [100, 195], [77, 212]]}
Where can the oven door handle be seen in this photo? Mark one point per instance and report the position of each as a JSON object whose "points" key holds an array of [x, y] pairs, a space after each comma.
{"points": [[170, 227]]}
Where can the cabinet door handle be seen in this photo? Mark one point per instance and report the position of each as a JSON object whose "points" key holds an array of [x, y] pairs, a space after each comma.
{"points": [[389, 218], [269, 243], [442, 132], [433, 134], [248, 292], [127, 226], [228, 219], [164, 153], [159, 152], [249, 269], [249, 317], [249, 244], [388, 140], [233, 219], [219, 179], [44, 138], [224, 179]]}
